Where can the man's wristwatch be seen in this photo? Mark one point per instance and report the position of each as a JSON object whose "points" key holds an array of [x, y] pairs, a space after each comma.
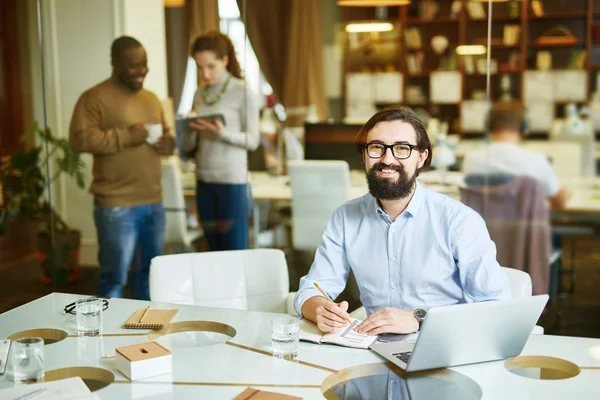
{"points": [[420, 316]]}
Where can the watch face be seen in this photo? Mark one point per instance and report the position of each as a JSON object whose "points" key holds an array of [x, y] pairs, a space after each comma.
{"points": [[420, 313]]}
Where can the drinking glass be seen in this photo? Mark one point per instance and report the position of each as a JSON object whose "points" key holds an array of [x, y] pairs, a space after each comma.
{"points": [[285, 337], [27, 357], [89, 316]]}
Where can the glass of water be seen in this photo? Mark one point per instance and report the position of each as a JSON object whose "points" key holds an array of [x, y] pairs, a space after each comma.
{"points": [[27, 357], [285, 337], [89, 316]]}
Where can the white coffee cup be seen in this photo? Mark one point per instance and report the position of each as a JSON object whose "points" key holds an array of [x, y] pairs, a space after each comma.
{"points": [[155, 131]]}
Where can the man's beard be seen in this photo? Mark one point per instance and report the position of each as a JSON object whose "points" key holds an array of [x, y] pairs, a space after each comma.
{"points": [[390, 189]]}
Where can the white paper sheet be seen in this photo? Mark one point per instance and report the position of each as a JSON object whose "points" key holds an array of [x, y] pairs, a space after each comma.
{"points": [[473, 116], [359, 87], [538, 86], [388, 87], [64, 389], [570, 85], [445, 87], [540, 115]]}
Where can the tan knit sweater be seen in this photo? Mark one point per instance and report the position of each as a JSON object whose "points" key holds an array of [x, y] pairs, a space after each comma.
{"points": [[122, 175]]}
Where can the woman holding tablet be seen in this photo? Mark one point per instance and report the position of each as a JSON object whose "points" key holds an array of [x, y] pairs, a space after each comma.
{"points": [[220, 145]]}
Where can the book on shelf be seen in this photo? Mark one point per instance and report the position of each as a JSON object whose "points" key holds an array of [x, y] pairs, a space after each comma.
{"points": [[577, 59], [512, 34], [414, 63], [345, 336], [428, 9], [476, 10], [537, 7], [412, 38], [455, 8]]}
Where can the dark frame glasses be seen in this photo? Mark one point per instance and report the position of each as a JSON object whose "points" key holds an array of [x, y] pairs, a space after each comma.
{"points": [[70, 308]]}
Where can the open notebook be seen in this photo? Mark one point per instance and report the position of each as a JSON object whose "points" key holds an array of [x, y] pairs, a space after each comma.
{"points": [[154, 319], [345, 336]]}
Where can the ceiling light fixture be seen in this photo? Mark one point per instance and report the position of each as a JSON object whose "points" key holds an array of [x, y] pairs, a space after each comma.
{"points": [[370, 27], [173, 3], [372, 3], [471, 50]]}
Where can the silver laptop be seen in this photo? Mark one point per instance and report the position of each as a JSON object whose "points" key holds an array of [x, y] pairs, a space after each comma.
{"points": [[466, 334]]}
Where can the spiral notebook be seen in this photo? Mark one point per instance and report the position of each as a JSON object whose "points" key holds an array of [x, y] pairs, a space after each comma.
{"points": [[154, 319]]}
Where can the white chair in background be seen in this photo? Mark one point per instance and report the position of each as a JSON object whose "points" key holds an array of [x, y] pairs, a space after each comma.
{"points": [[176, 232], [520, 286], [318, 188], [254, 280]]}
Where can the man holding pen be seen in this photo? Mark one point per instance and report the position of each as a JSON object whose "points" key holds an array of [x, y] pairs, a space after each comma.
{"points": [[410, 248]]}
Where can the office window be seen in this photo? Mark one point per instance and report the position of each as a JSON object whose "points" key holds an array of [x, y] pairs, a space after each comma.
{"points": [[232, 25]]}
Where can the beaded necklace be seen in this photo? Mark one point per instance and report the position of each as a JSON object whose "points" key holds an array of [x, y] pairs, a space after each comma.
{"points": [[218, 96]]}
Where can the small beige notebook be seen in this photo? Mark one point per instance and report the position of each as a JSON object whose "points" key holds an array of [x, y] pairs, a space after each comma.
{"points": [[154, 319], [264, 395]]}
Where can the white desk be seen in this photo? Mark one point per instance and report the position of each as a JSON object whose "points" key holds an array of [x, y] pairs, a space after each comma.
{"points": [[221, 371]]}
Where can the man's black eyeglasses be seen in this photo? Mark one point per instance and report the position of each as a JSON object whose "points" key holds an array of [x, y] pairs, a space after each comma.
{"points": [[400, 150], [70, 308]]}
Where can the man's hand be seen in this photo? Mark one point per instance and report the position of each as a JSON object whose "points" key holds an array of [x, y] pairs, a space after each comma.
{"points": [[137, 134], [215, 126], [328, 316], [166, 143], [392, 320]]}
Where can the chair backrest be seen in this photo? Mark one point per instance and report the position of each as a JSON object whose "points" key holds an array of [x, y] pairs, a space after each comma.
{"points": [[255, 280], [319, 187], [518, 221], [519, 282], [174, 203]]}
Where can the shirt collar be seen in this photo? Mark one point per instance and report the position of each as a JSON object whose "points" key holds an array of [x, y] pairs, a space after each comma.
{"points": [[413, 206]]}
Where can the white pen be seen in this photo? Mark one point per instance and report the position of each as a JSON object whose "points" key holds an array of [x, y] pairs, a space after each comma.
{"points": [[31, 395]]}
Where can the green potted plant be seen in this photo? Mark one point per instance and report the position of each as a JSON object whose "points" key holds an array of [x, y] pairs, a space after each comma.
{"points": [[24, 183]]}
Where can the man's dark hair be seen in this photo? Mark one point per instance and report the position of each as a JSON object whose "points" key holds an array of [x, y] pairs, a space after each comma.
{"points": [[397, 113], [120, 44], [507, 116]]}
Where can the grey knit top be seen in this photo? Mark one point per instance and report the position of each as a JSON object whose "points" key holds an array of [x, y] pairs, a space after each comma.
{"points": [[223, 159]]}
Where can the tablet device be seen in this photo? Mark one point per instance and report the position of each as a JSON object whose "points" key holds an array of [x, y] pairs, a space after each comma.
{"points": [[182, 123]]}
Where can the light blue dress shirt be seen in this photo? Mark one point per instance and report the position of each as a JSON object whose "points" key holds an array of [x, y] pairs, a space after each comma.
{"points": [[437, 252]]}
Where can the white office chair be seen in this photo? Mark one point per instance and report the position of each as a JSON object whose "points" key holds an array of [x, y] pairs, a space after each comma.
{"points": [[255, 280], [520, 286], [176, 232], [318, 188]]}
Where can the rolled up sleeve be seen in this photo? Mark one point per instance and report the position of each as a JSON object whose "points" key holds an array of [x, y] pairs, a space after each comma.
{"points": [[481, 276]]}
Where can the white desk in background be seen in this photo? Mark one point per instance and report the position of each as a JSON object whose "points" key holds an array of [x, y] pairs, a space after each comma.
{"points": [[214, 366], [584, 203]]}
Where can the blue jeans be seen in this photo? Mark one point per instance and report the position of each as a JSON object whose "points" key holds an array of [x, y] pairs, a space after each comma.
{"points": [[128, 236], [223, 210]]}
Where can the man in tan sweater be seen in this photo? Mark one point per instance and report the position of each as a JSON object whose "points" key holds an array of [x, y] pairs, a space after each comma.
{"points": [[110, 121]]}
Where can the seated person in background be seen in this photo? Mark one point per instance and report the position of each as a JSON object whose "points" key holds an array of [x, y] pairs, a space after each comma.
{"points": [[505, 155], [409, 248]]}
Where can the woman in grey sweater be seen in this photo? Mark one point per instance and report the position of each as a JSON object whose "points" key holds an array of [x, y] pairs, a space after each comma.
{"points": [[220, 149]]}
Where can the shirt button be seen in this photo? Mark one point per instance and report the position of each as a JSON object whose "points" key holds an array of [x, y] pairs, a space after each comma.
{"points": [[393, 286], [393, 230], [393, 258]]}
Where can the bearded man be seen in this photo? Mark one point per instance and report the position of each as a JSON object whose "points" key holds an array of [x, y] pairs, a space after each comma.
{"points": [[409, 248]]}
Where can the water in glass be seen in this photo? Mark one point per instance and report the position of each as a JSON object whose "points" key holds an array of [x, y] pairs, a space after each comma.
{"points": [[27, 357], [89, 316], [285, 337]]}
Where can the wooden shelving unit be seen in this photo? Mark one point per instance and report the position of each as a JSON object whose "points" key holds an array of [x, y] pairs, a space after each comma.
{"points": [[577, 15]]}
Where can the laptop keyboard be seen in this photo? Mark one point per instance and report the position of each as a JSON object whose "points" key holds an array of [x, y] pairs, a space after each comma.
{"points": [[404, 356]]}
